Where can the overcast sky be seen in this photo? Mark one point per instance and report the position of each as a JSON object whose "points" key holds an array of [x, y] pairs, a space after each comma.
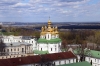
{"points": [[58, 10]]}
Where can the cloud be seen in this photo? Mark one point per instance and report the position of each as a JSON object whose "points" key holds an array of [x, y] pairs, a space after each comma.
{"points": [[22, 5], [68, 3], [70, 0], [7, 2], [44, 8]]}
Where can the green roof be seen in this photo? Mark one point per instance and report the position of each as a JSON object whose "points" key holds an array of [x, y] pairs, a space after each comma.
{"points": [[40, 52], [93, 53], [87, 52], [57, 40], [85, 63], [77, 51]]}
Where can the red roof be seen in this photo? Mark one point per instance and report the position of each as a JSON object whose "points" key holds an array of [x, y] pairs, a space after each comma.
{"points": [[36, 59]]}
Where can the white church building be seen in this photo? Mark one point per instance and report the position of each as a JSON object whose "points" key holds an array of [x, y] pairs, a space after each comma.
{"points": [[49, 41]]}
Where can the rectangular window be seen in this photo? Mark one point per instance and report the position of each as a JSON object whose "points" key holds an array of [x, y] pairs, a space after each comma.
{"points": [[18, 49], [69, 61], [65, 61], [14, 49], [11, 49], [22, 49], [4, 50], [89, 59], [48, 36], [32, 41], [7, 50], [59, 62], [51, 49], [55, 46]]}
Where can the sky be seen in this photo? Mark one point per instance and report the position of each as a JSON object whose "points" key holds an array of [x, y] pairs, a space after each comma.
{"points": [[58, 10]]}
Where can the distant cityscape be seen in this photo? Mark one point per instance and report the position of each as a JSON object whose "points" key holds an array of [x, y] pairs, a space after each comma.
{"points": [[61, 25]]}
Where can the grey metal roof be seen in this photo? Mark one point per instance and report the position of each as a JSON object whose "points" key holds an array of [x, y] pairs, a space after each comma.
{"points": [[26, 37]]}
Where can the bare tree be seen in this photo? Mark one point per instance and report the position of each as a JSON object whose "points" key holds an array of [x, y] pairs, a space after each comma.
{"points": [[2, 48]]}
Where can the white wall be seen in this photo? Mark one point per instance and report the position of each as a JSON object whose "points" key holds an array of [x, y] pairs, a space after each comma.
{"points": [[65, 61], [95, 61], [16, 50], [12, 39], [52, 48]]}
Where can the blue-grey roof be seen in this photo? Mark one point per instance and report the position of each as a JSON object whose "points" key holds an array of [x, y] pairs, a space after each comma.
{"points": [[26, 37]]}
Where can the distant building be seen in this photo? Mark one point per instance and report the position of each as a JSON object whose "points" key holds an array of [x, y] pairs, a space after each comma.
{"points": [[1, 23]]}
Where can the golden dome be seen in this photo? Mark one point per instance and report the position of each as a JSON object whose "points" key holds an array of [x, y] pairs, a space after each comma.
{"points": [[49, 23], [42, 29], [53, 33], [49, 29], [56, 32], [42, 33], [49, 20]]}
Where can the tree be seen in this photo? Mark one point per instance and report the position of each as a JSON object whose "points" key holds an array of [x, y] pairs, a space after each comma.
{"points": [[63, 45], [0, 26], [2, 48], [97, 39], [91, 39]]}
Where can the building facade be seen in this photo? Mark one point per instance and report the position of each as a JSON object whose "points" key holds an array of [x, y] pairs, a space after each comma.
{"points": [[17, 45], [91, 56], [41, 60], [49, 41]]}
